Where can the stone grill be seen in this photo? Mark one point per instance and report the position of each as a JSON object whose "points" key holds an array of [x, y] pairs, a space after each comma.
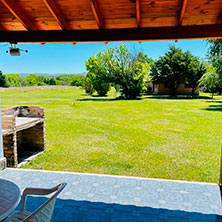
{"points": [[23, 129]]}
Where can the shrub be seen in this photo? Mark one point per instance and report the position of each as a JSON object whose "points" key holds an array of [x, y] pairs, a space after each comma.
{"points": [[88, 86]]}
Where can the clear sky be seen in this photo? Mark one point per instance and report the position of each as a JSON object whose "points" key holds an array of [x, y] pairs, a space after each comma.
{"points": [[68, 58]]}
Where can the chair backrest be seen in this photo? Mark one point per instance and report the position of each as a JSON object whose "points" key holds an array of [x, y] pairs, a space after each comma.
{"points": [[45, 212]]}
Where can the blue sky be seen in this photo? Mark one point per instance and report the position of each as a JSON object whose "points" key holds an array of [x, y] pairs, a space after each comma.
{"points": [[68, 58]]}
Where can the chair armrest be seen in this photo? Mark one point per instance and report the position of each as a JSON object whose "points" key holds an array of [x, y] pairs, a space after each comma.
{"points": [[36, 191]]}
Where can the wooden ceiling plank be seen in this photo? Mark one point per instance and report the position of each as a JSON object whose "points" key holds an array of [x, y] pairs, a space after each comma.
{"points": [[96, 13], [138, 13], [182, 12], [18, 13], [114, 35], [50, 4]]}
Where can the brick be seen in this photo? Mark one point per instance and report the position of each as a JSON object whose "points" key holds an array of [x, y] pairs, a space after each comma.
{"points": [[32, 137]]}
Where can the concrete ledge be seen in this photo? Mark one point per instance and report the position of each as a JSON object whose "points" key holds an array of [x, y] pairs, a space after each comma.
{"points": [[2, 163]]}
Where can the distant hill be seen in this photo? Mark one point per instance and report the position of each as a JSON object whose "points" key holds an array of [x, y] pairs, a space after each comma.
{"points": [[49, 74]]}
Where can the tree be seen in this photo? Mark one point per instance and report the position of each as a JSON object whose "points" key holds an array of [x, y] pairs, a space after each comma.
{"points": [[122, 67], [196, 69], [215, 54], [52, 81], [210, 80], [215, 57], [14, 80], [95, 82], [3, 82], [176, 67], [77, 80], [31, 80]]}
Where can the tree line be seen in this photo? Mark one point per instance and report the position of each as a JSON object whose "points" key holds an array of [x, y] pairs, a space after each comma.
{"points": [[16, 80], [133, 72]]}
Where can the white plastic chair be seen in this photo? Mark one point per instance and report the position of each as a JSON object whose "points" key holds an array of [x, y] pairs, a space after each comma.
{"points": [[44, 213]]}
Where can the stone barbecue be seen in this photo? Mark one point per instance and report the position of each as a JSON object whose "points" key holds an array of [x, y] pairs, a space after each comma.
{"points": [[23, 129]]}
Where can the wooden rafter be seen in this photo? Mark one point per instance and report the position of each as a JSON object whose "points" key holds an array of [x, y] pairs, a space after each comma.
{"points": [[182, 12], [2, 27], [114, 35], [18, 13], [138, 16], [50, 4], [96, 13]]}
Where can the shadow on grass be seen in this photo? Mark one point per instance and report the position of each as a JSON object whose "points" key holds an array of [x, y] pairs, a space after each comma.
{"points": [[217, 108], [214, 105], [176, 97], [69, 210], [214, 101], [103, 99], [97, 99]]}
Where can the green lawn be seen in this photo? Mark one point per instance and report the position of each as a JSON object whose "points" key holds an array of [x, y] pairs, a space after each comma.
{"points": [[161, 138]]}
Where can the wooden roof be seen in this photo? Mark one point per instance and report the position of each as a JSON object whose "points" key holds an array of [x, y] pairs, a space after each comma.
{"points": [[108, 20]]}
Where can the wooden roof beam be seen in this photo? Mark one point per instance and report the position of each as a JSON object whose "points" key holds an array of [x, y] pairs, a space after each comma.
{"points": [[50, 4], [17, 12], [182, 12], [138, 16], [96, 13], [114, 35]]}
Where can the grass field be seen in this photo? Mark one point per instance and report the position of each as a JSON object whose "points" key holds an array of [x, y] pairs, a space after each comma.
{"points": [[152, 137]]}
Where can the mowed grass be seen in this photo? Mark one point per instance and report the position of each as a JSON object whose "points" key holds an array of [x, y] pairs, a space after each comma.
{"points": [[152, 137]]}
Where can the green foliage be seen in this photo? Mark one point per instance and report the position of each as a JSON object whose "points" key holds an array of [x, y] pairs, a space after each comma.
{"points": [[96, 83], [88, 86], [120, 66], [215, 57], [70, 79], [211, 80], [3, 81], [215, 54], [31, 80], [77, 80], [177, 67], [52, 81], [196, 70], [15, 80]]}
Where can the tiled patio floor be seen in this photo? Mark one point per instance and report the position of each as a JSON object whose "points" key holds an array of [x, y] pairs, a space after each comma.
{"points": [[113, 198]]}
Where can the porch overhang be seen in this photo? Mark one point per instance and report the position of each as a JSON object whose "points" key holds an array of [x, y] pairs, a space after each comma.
{"points": [[42, 21], [113, 35]]}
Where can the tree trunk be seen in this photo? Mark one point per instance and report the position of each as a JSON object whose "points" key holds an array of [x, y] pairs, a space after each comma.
{"points": [[193, 90]]}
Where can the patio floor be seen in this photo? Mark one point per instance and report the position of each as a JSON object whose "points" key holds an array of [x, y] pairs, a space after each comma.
{"points": [[90, 197]]}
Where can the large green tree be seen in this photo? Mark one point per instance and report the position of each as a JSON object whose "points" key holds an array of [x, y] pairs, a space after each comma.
{"points": [[215, 54], [215, 57], [122, 67], [176, 67]]}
